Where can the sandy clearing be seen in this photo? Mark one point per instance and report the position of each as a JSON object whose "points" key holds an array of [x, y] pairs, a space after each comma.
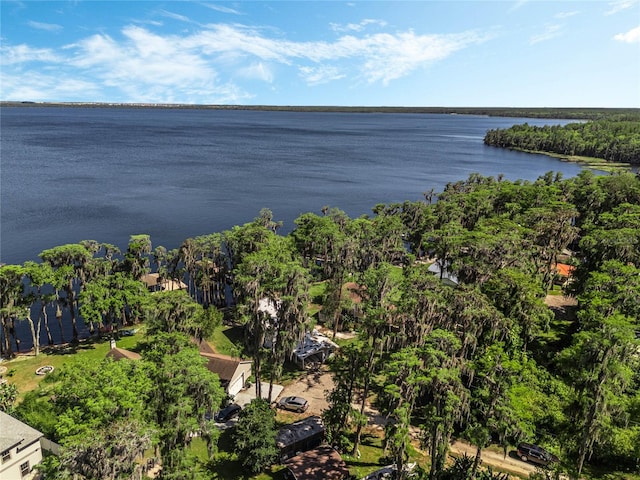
{"points": [[315, 385]]}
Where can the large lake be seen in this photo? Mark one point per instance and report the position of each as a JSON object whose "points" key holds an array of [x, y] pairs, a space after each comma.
{"points": [[70, 174]]}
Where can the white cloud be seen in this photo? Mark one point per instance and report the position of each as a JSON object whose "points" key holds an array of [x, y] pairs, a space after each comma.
{"points": [[257, 71], [620, 5], [632, 36], [550, 31], [142, 66], [220, 8], [49, 27], [356, 27], [20, 54], [175, 16], [517, 5], [321, 74], [561, 15]]}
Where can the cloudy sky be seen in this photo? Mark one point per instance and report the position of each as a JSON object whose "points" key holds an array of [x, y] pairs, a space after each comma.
{"points": [[419, 53]]}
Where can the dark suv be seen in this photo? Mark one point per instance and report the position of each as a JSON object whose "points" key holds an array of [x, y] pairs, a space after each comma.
{"points": [[529, 452]]}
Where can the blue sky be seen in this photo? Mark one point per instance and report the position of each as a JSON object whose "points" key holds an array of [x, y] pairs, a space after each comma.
{"points": [[525, 53]]}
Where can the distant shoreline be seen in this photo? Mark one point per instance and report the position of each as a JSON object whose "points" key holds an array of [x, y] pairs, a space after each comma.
{"points": [[558, 113]]}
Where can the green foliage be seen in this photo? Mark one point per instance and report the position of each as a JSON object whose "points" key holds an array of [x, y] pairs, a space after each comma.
{"points": [[8, 396], [184, 391], [92, 396], [255, 436], [612, 140]]}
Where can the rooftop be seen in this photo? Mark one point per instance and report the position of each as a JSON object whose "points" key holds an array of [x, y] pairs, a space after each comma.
{"points": [[322, 463], [13, 433], [300, 430]]}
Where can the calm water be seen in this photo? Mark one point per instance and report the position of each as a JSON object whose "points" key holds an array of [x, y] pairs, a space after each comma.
{"points": [[70, 174]]}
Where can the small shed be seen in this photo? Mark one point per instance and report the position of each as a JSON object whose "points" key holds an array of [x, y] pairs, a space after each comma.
{"points": [[321, 463]]}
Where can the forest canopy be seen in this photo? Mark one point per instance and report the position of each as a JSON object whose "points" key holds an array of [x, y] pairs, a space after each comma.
{"points": [[615, 139], [453, 334]]}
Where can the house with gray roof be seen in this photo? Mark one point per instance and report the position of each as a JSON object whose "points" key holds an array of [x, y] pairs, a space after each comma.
{"points": [[20, 448]]}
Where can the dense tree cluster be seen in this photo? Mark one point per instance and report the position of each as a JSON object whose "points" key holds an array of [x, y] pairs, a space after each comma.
{"points": [[613, 139], [469, 352]]}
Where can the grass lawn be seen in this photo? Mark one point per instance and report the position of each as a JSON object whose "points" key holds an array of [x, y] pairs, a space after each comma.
{"points": [[227, 340], [21, 369]]}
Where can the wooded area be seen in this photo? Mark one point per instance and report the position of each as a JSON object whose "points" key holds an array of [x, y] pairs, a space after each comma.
{"points": [[615, 139], [471, 353]]}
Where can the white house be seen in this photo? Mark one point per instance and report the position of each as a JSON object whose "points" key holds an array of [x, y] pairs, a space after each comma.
{"points": [[20, 448], [233, 372]]}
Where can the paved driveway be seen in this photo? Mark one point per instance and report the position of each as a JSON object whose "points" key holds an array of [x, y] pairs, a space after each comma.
{"points": [[245, 396]]}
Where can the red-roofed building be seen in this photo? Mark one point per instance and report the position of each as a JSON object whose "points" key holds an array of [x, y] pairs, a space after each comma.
{"points": [[563, 272]]}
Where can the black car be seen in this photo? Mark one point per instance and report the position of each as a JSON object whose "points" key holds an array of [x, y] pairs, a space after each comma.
{"points": [[227, 413], [529, 452]]}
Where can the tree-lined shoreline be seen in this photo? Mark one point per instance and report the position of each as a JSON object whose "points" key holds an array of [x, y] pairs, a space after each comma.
{"points": [[481, 358], [577, 113]]}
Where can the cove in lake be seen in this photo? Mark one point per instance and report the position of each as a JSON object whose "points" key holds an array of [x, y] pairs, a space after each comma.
{"points": [[71, 174]]}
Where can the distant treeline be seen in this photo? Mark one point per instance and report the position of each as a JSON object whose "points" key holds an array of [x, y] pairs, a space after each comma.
{"points": [[614, 140], [564, 113]]}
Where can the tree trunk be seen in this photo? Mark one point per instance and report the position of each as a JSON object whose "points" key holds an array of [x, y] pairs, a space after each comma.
{"points": [[476, 462], [34, 336], [59, 318], [435, 436], [46, 324]]}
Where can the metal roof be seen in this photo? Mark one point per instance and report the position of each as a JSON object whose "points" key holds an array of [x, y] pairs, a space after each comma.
{"points": [[300, 430]]}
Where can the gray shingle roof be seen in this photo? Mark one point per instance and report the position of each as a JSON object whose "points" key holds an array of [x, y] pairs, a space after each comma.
{"points": [[14, 432]]}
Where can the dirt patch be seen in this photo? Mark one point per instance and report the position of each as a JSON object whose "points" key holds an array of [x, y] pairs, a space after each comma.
{"points": [[509, 462], [313, 386], [564, 308]]}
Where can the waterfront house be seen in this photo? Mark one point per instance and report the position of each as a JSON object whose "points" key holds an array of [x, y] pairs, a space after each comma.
{"points": [[20, 448], [155, 284], [116, 353]]}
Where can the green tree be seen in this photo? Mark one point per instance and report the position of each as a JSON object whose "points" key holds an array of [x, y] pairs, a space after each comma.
{"points": [[602, 358], [11, 304], [254, 437], [8, 396], [184, 391], [112, 452], [40, 276], [70, 264]]}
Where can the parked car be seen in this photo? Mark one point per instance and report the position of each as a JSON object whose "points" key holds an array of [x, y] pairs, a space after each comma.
{"points": [[227, 413], [295, 404], [529, 452]]}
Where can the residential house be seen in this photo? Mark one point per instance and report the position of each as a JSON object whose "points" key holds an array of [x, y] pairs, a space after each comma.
{"points": [[116, 353], [563, 273], [20, 448], [233, 372], [446, 276], [321, 463], [155, 284]]}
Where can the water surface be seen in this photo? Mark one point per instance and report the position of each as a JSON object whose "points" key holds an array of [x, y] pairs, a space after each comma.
{"points": [[70, 174]]}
